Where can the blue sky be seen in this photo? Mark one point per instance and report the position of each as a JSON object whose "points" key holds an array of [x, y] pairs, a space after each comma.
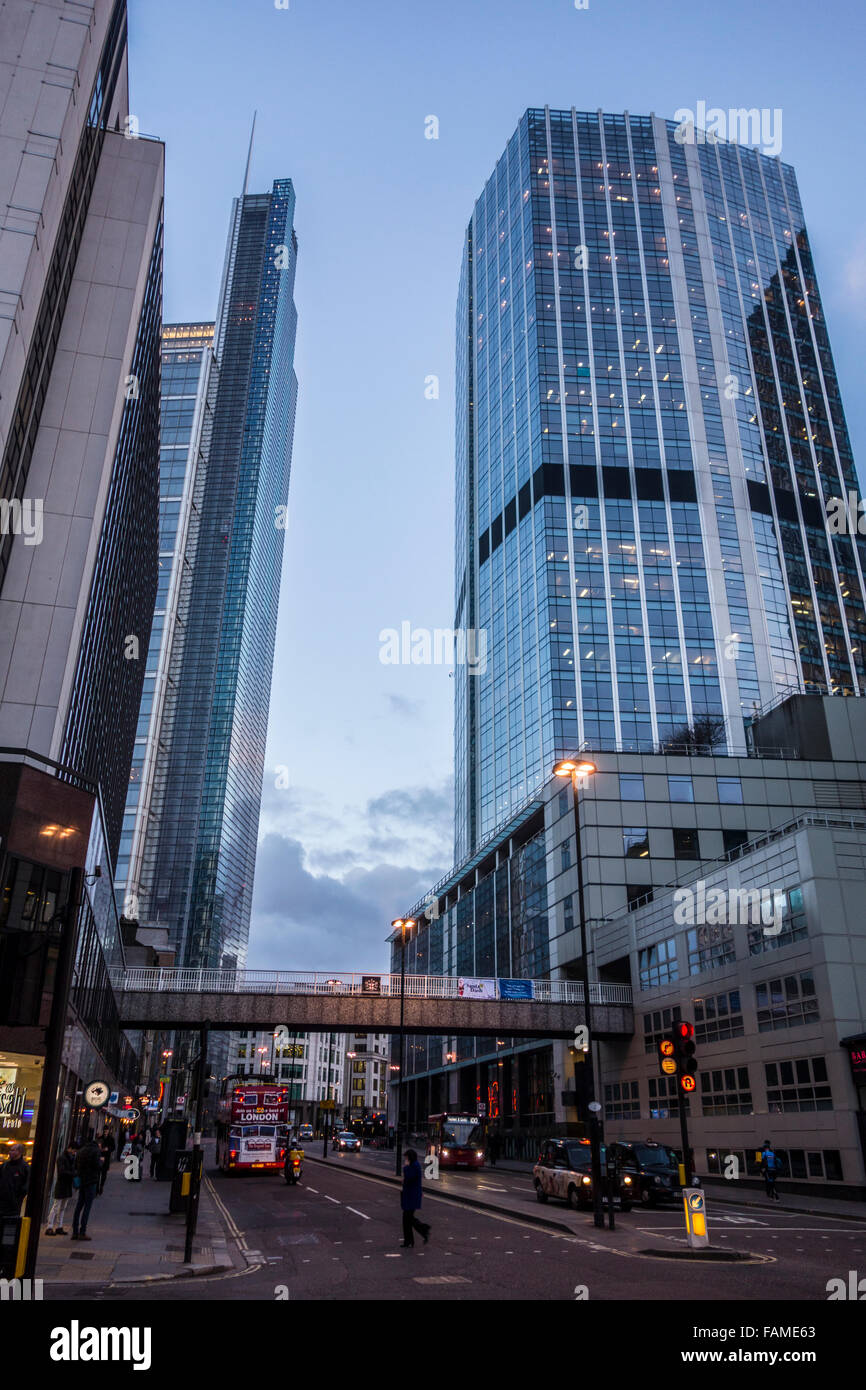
{"points": [[342, 91]]}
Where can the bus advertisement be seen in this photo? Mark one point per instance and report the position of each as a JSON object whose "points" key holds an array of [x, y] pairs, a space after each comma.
{"points": [[252, 1124], [457, 1140]]}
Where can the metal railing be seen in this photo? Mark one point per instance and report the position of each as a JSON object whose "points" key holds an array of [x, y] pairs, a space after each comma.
{"points": [[174, 980]]}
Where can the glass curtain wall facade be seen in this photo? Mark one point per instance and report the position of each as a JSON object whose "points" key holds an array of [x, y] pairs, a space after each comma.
{"points": [[200, 861], [186, 404], [648, 429]]}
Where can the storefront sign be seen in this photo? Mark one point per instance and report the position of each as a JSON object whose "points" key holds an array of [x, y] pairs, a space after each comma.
{"points": [[12, 1100], [857, 1058]]}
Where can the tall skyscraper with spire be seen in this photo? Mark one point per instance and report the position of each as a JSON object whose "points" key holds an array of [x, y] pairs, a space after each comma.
{"points": [[649, 430], [197, 858]]}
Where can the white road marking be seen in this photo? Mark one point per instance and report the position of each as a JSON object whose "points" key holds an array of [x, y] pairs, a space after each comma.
{"points": [[313, 1189], [357, 1213], [332, 1199]]}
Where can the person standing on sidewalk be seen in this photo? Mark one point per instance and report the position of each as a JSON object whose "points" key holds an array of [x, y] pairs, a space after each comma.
{"points": [[410, 1201], [154, 1145], [65, 1172], [770, 1168], [493, 1147], [106, 1149], [88, 1165], [14, 1181]]}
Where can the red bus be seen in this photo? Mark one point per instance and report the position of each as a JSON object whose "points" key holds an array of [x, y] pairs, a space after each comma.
{"points": [[457, 1140], [252, 1124]]}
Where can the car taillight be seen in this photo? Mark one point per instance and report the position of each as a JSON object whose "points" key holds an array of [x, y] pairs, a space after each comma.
{"points": [[297, 1162], [282, 1153]]}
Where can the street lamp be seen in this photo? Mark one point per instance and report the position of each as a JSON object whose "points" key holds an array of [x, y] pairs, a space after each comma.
{"points": [[579, 769], [348, 1074], [403, 926]]}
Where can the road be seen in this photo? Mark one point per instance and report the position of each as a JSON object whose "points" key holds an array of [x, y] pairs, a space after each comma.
{"points": [[336, 1237]]}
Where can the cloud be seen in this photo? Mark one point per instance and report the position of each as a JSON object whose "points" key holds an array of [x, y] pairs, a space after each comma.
{"points": [[404, 708], [306, 921], [431, 807]]}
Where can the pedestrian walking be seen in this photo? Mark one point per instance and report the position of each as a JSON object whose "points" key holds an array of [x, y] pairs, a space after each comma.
{"points": [[121, 1141], [410, 1202], [63, 1189], [492, 1147], [106, 1149], [770, 1167], [88, 1163], [14, 1181], [154, 1146]]}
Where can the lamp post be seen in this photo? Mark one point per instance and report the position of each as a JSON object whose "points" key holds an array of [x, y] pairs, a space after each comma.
{"points": [[403, 925], [348, 1074], [576, 768]]}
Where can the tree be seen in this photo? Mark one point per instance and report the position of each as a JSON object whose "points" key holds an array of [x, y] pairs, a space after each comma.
{"points": [[706, 731]]}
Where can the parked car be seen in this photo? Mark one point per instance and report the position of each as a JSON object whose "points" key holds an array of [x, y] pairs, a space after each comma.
{"points": [[347, 1140], [564, 1170], [652, 1168]]}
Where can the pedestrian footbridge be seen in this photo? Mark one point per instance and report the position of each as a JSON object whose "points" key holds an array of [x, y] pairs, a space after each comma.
{"points": [[306, 1002]]}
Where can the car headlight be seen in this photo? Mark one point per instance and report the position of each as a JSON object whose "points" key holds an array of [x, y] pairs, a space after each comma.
{"points": [[627, 1182], [659, 1182], [479, 1153], [586, 1181], [445, 1153]]}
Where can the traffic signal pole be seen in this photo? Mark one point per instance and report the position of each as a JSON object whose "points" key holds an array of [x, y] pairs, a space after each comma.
{"points": [[684, 1134]]}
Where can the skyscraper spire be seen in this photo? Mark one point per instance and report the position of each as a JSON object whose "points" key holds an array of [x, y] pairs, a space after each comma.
{"points": [[249, 154]]}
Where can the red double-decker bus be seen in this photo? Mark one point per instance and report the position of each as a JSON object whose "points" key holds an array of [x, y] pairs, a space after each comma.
{"points": [[457, 1140], [252, 1124]]}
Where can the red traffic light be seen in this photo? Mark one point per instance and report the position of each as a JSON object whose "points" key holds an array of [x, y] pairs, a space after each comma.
{"points": [[685, 1031]]}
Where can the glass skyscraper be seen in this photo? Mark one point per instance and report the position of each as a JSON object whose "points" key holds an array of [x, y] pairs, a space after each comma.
{"points": [[648, 429], [199, 854]]}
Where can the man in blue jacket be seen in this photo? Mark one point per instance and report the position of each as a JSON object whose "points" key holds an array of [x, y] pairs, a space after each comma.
{"points": [[410, 1201]]}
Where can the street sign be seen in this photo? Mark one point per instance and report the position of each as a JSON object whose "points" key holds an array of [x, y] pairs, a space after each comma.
{"points": [[694, 1209], [327, 1105], [96, 1094], [668, 1065], [687, 1083]]}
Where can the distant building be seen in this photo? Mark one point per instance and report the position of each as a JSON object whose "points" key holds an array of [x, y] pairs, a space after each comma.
{"points": [[187, 395], [310, 1064], [365, 1084]]}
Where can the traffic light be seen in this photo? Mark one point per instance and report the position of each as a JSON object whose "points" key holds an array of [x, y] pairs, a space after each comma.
{"points": [[667, 1052], [684, 1052]]}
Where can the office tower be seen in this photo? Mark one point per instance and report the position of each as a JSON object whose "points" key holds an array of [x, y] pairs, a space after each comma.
{"points": [[80, 313], [186, 412], [649, 429], [199, 854]]}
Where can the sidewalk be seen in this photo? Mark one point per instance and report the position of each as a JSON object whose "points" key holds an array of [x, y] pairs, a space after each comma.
{"points": [[742, 1195], [134, 1238]]}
